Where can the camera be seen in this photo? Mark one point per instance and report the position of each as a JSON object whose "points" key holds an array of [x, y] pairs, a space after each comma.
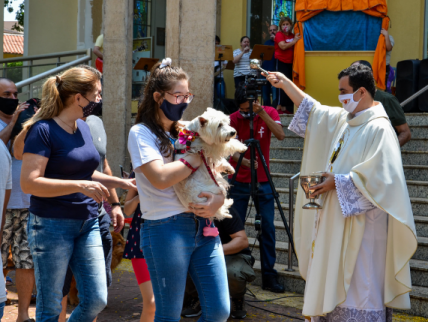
{"points": [[252, 85]]}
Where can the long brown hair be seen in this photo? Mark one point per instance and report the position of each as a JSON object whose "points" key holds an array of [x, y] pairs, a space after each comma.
{"points": [[160, 80], [57, 90]]}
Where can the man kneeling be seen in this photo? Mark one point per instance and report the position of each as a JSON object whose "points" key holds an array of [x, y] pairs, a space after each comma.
{"points": [[239, 268]]}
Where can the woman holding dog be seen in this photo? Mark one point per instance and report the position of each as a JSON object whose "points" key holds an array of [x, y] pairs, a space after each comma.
{"points": [[172, 236], [58, 170]]}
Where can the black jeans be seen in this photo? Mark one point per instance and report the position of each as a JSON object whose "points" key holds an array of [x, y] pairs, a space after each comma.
{"points": [[238, 80], [283, 99], [107, 240]]}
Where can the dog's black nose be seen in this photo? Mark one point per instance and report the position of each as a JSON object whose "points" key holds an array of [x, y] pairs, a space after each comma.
{"points": [[232, 133]]}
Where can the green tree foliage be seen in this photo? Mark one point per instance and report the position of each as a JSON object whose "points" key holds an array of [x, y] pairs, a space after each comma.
{"points": [[19, 26]]}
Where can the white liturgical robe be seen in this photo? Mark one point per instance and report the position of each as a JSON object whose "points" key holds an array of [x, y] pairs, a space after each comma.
{"points": [[354, 252]]}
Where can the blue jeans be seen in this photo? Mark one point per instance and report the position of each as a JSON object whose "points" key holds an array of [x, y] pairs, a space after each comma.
{"points": [[107, 240], [174, 246], [240, 193], [266, 91], [219, 87], [57, 243], [2, 305]]}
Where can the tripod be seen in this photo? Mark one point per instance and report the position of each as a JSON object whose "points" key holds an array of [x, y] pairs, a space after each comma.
{"points": [[254, 145]]}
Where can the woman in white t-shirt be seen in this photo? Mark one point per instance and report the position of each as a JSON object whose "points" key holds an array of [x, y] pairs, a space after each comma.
{"points": [[241, 59], [172, 236]]}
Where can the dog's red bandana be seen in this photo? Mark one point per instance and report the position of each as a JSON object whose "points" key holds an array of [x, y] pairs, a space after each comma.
{"points": [[186, 137]]}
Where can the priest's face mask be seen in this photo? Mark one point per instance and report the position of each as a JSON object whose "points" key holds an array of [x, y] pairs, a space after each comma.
{"points": [[349, 98]]}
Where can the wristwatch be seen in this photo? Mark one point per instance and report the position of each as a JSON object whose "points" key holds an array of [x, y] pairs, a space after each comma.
{"points": [[115, 204]]}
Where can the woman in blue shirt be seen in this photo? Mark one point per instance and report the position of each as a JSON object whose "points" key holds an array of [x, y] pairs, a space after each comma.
{"points": [[58, 170]]}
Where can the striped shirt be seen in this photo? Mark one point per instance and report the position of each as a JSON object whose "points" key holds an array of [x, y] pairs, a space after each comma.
{"points": [[242, 67]]}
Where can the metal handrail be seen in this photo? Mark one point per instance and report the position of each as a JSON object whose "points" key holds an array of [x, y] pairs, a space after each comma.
{"points": [[411, 98], [33, 79], [45, 56], [290, 219], [29, 66]]}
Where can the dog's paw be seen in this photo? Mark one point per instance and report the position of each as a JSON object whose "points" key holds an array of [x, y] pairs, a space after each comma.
{"points": [[229, 171], [243, 149]]}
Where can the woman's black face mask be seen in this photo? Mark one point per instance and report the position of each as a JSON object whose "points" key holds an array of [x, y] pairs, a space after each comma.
{"points": [[93, 108]]}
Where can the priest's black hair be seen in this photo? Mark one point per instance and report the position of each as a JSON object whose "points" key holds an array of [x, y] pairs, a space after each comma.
{"points": [[363, 62], [360, 76]]}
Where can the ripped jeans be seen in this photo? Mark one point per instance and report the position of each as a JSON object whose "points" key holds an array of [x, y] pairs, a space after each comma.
{"points": [[174, 246]]}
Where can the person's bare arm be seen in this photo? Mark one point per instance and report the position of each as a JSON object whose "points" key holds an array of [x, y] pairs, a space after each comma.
{"points": [[3, 218], [239, 242], [113, 182], [7, 131], [163, 176], [33, 181], [107, 171], [131, 202], [387, 40], [245, 162], [276, 128], [98, 53], [116, 210], [404, 134], [279, 80], [237, 58], [18, 145], [286, 45]]}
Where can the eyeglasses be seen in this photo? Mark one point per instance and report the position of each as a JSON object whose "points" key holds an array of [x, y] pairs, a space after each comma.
{"points": [[182, 98]]}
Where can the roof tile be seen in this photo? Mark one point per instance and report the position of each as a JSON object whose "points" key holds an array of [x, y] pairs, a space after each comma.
{"points": [[13, 44]]}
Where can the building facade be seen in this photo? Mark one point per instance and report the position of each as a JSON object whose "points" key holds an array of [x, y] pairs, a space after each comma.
{"points": [[185, 30]]}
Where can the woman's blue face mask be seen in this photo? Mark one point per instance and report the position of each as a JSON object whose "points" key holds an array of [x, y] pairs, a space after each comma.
{"points": [[173, 112]]}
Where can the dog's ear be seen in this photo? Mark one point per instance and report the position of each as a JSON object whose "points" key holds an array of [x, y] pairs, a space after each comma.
{"points": [[202, 121]]}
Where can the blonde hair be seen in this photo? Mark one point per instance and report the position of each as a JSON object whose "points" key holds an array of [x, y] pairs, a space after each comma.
{"points": [[58, 89]]}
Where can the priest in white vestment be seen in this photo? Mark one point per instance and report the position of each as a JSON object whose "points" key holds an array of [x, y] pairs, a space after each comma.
{"points": [[354, 252]]}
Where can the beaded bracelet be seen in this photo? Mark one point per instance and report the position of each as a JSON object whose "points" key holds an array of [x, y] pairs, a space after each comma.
{"points": [[187, 164]]}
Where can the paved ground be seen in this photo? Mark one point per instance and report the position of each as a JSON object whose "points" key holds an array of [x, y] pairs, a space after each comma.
{"points": [[124, 302]]}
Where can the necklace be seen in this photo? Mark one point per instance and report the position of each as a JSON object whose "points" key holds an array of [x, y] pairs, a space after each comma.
{"points": [[71, 128]]}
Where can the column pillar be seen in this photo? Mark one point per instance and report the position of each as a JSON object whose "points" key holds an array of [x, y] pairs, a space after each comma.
{"points": [[117, 80], [190, 43]]}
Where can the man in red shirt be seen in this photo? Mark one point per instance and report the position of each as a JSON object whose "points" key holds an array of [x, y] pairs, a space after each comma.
{"points": [[266, 122]]}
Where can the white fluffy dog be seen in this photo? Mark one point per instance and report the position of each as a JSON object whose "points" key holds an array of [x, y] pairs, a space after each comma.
{"points": [[215, 138]]}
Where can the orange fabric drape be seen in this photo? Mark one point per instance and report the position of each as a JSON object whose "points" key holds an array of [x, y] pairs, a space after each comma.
{"points": [[306, 9]]}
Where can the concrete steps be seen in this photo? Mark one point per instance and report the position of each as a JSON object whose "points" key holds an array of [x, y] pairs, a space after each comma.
{"points": [[295, 153], [280, 234], [293, 282], [418, 268], [411, 172], [417, 189], [419, 205], [292, 140]]}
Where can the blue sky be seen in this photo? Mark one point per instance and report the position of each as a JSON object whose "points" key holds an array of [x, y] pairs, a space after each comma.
{"points": [[11, 16]]}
